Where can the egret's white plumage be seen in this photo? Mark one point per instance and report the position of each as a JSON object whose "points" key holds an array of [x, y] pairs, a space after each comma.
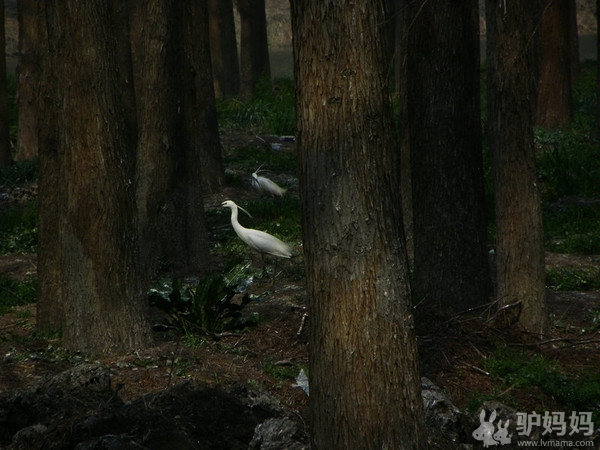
{"points": [[258, 240], [263, 184]]}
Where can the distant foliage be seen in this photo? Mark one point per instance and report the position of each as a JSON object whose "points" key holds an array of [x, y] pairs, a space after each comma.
{"points": [[271, 111]]}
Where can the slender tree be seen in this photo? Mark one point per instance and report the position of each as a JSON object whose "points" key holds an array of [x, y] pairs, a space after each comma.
{"points": [[451, 271], [223, 48], [598, 70], [5, 147], [574, 42], [255, 65], [88, 140], [511, 109], [554, 101], [364, 379], [31, 36]]}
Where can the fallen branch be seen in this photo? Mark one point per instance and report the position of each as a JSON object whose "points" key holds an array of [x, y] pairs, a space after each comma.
{"points": [[304, 317]]}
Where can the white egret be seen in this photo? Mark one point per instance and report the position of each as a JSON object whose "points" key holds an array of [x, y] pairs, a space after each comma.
{"points": [[263, 184], [262, 242]]}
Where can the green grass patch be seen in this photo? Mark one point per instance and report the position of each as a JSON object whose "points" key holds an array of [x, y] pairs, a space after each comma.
{"points": [[572, 278], [572, 228], [16, 293], [281, 371], [18, 229], [18, 174], [271, 111], [517, 369]]}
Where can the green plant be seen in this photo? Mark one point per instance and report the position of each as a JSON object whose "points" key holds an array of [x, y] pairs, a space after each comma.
{"points": [[207, 305]]}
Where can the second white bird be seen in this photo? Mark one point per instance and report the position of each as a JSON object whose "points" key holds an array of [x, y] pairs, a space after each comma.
{"points": [[267, 186]]}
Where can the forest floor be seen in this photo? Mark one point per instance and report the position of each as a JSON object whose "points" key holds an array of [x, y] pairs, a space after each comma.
{"points": [[269, 355]]}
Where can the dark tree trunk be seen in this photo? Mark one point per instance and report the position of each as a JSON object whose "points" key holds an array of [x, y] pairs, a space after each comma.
{"points": [[451, 273], [511, 109], [31, 35], [223, 48], [598, 70], [574, 42], [255, 65], [364, 379], [554, 103], [5, 147], [178, 149], [98, 279]]}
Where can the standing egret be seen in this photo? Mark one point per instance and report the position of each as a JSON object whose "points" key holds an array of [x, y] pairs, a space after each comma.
{"points": [[263, 184], [262, 242]]}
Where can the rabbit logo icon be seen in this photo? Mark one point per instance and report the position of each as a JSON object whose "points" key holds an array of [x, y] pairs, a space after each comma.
{"points": [[488, 433]]}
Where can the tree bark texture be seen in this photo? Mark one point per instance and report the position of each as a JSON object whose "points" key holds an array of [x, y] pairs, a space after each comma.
{"points": [[598, 70], [255, 65], [554, 101], [451, 271], [169, 181], [511, 109], [5, 147], [364, 379], [31, 36], [89, 143], [223, 48]]}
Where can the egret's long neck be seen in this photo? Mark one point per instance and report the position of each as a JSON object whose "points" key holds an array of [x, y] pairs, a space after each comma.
{"points": [[234, 221]]}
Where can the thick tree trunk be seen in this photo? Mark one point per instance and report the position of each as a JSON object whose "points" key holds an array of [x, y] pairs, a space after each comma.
{"points": [[554, 102], [511, 110], [451, 272], [223, 48], [364, 379], [98, 277], [255, 64]]}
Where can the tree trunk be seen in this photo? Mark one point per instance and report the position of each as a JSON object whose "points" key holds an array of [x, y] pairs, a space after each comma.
{"points": [[364, 379], [451, 271], [223, 49], [102, 300], [31, 33], [255, 65], [5, 147], [574, 42], [554, 103], [511, 110], [598, 70], [204, 170], [170, 185]]}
